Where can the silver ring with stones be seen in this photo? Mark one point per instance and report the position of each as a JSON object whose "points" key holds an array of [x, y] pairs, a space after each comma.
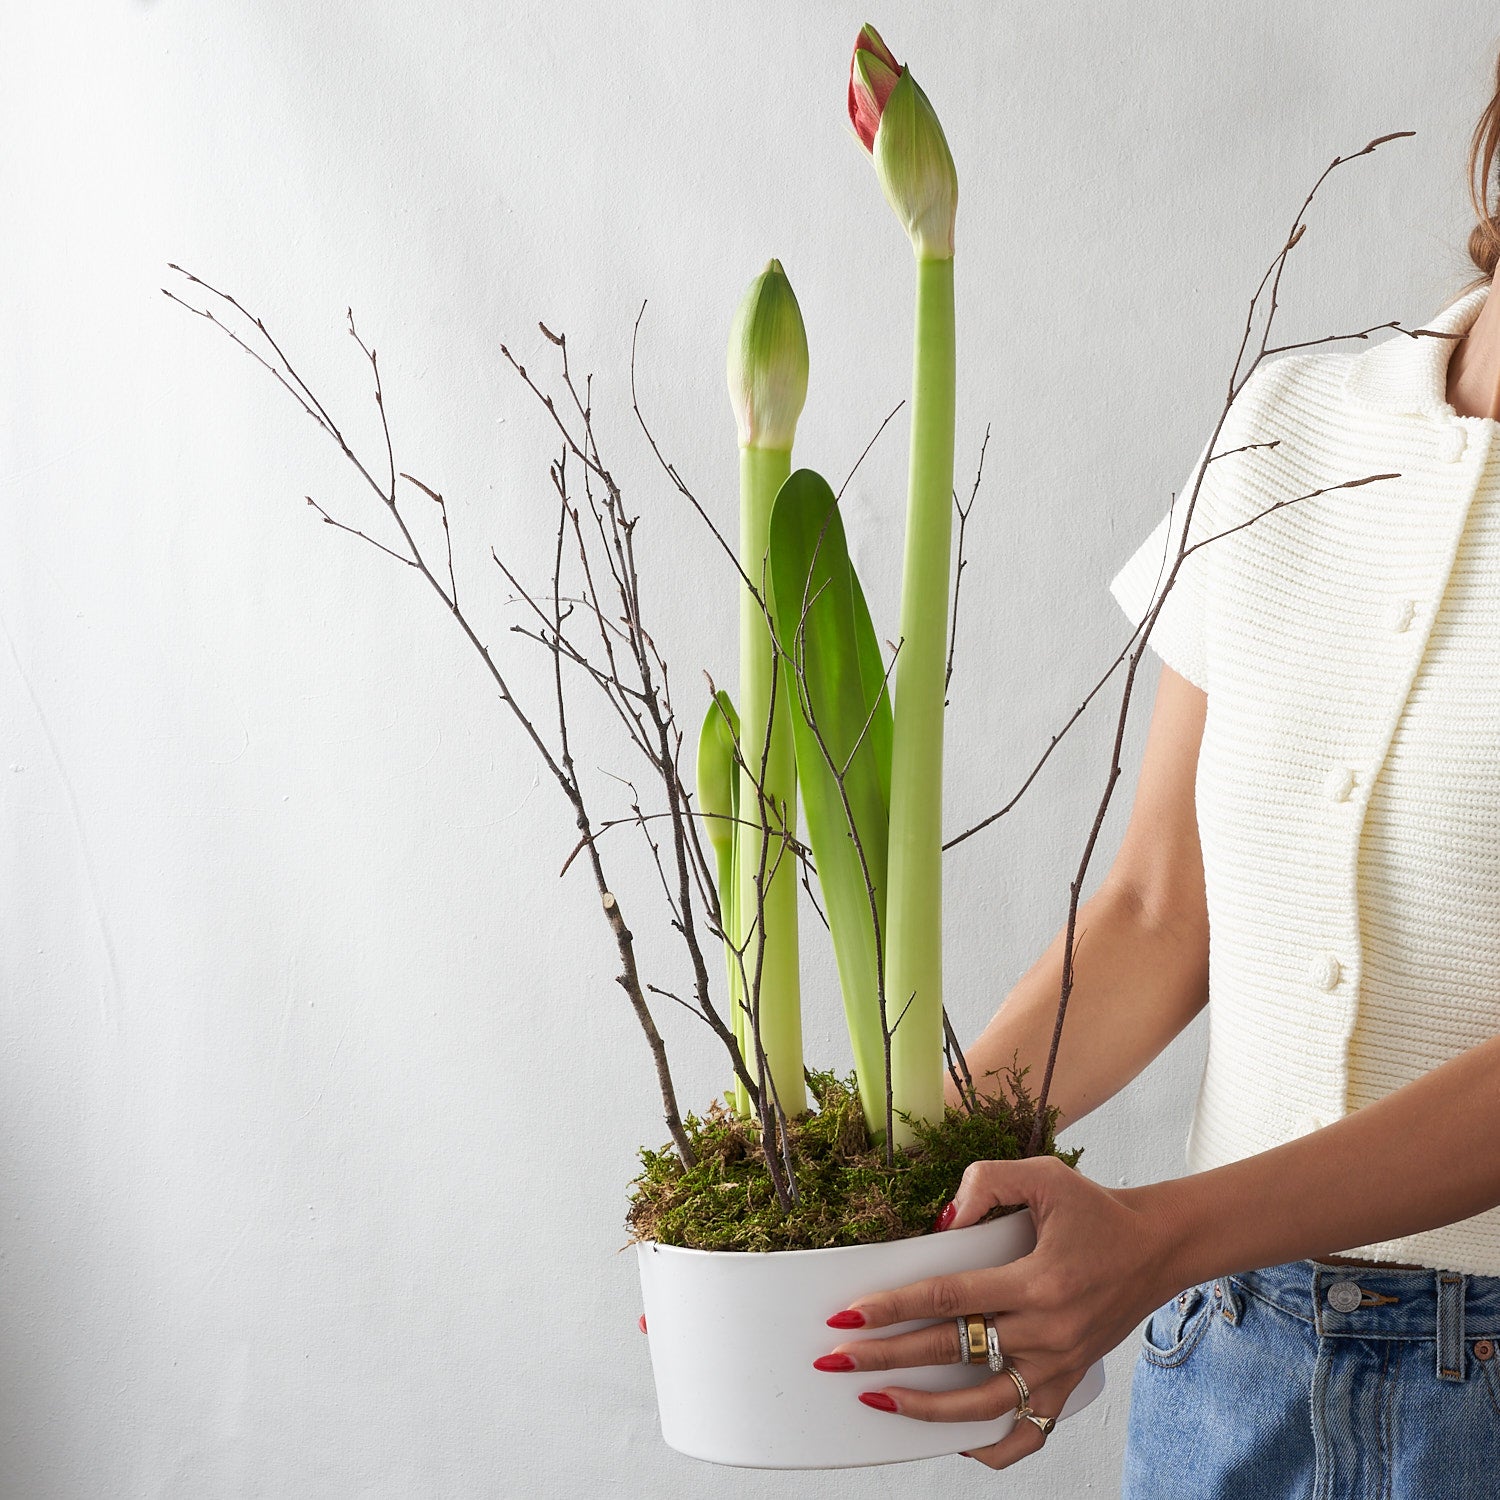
{"points": [[996, 1358]]}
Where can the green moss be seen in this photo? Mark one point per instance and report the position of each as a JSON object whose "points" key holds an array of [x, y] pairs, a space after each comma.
{"points": [[847, 1194]]}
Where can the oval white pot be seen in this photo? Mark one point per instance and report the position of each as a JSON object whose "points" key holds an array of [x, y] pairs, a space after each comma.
{"points": [[734, 1334]]}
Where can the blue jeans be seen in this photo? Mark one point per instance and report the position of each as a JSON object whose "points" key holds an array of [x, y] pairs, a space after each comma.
{"points": [[1308, 1381]]}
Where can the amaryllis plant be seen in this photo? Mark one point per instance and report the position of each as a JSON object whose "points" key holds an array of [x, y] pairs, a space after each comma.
{"points": [[871, 779], [827, 733]]}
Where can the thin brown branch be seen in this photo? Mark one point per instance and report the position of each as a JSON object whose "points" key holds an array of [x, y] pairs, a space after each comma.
{"points": [[963, 562], [1272, 281]]}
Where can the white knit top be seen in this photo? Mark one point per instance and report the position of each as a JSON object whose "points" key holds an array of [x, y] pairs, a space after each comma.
{"points": [[1348, 786]]}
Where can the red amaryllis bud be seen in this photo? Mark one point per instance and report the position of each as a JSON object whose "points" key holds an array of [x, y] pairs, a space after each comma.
{"points": [[873, 72], [895, 122]]}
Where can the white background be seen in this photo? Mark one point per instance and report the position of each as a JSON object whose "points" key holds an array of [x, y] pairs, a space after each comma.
{"points": [[318, 1098]]}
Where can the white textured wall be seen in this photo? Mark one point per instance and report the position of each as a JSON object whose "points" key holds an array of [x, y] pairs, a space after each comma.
{"points": [[317, 1098]]}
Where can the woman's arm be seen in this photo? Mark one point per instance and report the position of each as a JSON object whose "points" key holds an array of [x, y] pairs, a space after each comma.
{"points": [[1425, 1155], [1141, 966]]}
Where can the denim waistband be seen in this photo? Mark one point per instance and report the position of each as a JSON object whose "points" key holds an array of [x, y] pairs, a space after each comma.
{"points": [[1445, 1306]]}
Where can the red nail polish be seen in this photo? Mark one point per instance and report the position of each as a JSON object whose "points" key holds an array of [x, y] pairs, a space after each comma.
{"points": [[643, 1322], [833, 1362], [849, 1318], [945, 1218], [878, 1399]]}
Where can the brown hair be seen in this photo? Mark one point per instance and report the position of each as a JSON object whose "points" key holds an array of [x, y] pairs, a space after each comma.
{"points": [[1484, 237]]}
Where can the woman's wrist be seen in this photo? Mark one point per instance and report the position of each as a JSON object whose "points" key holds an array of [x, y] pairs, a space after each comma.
{"points": [[1411, 1161], [1179, 1241]]}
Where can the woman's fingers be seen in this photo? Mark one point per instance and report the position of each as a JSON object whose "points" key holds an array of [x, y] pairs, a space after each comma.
{"points": [[1025, 1438], [937, 1345], [975, 1403], [995, 1289], [988, 1184], [1035, 1181]]}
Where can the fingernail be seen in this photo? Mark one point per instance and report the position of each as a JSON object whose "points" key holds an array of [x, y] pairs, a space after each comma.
{"points": [[643, 1322], [945, 1218], [849, 1318], [833, 1362], [878, 1399]]}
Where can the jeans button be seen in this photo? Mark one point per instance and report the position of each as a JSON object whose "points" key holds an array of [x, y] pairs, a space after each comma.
{"points": [[1344, 1296]]}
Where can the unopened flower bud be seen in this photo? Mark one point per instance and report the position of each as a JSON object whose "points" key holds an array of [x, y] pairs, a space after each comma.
{"points": [[767, 364]]}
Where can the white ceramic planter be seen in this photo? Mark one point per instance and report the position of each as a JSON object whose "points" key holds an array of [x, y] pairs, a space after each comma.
{"points": [[734, 1335]]}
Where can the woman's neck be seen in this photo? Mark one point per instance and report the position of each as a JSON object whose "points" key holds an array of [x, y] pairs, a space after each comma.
{"points": [[1474, 366]]}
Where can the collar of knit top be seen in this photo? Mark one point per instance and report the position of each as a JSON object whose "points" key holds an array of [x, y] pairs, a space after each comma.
{"points": [[1407, 374]]}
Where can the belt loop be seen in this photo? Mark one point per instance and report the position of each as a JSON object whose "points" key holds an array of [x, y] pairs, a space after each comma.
{"points": [[1450, 1326]]}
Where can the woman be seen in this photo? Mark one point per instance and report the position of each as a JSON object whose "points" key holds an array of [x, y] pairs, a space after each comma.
{"points": [[1320, 789]]}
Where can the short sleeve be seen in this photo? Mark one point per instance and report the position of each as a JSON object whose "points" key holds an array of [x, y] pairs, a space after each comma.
{"points": [[1180, 634]]}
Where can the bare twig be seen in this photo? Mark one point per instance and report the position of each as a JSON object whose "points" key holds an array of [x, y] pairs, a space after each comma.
{"points": [[963, 562], [1270, 282], [559, 763]]}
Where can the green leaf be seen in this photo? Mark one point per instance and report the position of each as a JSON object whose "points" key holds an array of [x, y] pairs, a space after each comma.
{"points": [[719, 803], [836, 674], [718, 783]]}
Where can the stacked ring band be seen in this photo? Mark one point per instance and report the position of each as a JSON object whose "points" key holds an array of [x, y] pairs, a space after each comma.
{"points": [[976, 1339]]}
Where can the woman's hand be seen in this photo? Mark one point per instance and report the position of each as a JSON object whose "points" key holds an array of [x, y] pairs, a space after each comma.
{"points": [[1099, 1268]]}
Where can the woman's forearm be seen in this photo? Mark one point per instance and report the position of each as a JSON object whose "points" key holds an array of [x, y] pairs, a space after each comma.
{"points": [[1138, 979], [1425, 1155]]}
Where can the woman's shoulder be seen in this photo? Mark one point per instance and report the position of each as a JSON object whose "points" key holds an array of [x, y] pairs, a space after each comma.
{"points": [[1298, 419], [1299, 389]]}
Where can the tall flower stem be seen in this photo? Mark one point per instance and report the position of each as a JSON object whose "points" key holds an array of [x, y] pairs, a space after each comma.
{"points": [[914, 941]]}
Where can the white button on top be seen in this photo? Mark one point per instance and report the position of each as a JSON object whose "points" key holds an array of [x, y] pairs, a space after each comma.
{"points": [[1398, 616], [1451, 442], [1325, 971], [1339, 784]]}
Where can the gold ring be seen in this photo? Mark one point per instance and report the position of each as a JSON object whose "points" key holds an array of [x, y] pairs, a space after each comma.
{"points": [[1044, 1425], [977, 1347], [1022, 1390]]}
